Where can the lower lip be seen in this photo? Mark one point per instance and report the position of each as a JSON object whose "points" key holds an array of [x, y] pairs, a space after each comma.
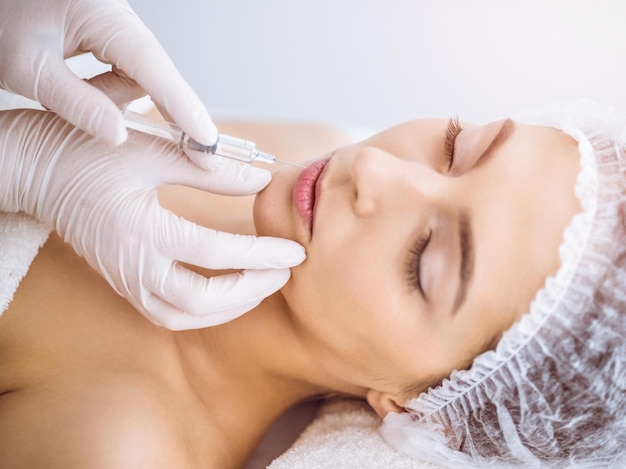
{"points": [[304, 192]]}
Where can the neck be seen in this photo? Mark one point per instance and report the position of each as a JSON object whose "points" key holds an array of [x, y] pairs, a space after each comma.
{"points": [[249, 371]]}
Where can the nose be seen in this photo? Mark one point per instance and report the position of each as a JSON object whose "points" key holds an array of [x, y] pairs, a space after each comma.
{"points": [[381, 179]]}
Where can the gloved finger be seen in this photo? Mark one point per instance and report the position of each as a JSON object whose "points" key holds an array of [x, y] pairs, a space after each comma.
{"points": [[149, 65], [80, 103], [121, 90], [194, 244], [161, 313], [200, 295], [222, 176]]}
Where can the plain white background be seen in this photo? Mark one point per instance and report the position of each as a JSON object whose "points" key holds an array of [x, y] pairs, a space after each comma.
{"points": [[372, 64]]}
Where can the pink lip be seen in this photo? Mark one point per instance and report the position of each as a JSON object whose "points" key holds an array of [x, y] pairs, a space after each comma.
{"points": [[305, 192]]}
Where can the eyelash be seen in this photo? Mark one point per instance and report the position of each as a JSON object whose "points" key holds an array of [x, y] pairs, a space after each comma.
{"points": [[452, 132], [415, 256]]}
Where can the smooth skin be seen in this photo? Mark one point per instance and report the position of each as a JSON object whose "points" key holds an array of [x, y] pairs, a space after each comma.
{"points": [[85, 381]]}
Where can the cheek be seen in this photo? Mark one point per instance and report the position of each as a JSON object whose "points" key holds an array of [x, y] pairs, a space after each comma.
{"points": [[326, 286], [330, 287], [346, 290], [348, 315]]}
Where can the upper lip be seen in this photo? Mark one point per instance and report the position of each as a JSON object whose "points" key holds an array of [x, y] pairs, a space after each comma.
{"points": [[318, 191]]}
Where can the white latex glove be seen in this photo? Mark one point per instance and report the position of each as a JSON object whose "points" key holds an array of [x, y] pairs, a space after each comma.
{"points": [[37, 35], [103, 201]]}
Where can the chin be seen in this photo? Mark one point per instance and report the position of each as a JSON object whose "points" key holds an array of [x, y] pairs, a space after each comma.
{"points": [[272, 211]]}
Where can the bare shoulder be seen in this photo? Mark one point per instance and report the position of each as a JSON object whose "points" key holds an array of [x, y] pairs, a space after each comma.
{"points": [[118, 425]]}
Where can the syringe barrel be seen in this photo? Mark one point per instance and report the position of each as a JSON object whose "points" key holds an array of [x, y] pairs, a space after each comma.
{"points": [[235, 148], [139, 122], [226, 146]]}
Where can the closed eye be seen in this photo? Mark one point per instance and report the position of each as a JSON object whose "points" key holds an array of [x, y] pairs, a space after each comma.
{"points": [[414, 265], [452, 132]]}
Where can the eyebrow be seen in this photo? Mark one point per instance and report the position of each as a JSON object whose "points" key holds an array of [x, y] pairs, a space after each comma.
{"points": [[466, 270], [503, 134]]}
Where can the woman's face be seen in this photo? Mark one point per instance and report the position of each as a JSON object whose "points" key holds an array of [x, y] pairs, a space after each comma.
{"points": [[423, 244]]}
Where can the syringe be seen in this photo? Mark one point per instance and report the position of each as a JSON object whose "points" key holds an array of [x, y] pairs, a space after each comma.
{"points": [[225, 146]]}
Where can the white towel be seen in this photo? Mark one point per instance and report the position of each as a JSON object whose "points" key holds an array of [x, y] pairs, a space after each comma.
{"points": [[344, 435], [21, 237]]}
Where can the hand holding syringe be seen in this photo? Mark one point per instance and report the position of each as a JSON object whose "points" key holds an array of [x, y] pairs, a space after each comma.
{"points": [[227, 147]]}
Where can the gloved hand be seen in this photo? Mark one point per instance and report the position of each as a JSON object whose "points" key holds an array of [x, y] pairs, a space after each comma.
{"points": [[37, 35], [103, 201]]}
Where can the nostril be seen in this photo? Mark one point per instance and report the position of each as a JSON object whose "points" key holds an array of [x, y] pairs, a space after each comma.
{"points": [[368, 173]]}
